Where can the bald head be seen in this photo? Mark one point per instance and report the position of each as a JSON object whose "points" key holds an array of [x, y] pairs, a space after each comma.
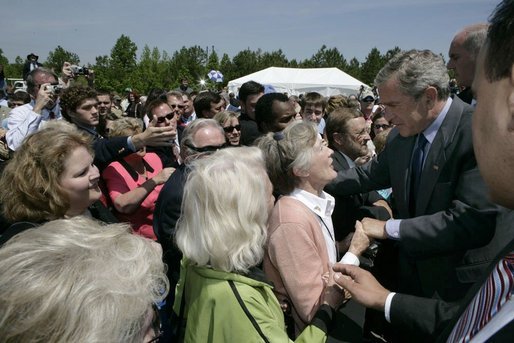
{"points": [[464, 51]]}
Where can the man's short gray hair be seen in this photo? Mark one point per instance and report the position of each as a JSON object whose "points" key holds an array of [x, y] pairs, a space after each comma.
{"points": [[416, 70]]}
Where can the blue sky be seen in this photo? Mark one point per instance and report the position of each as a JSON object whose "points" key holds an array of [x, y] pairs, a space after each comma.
{"points": [[298, 27]]}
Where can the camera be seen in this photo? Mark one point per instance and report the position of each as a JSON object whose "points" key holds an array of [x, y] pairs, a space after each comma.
{"points": [[77, 70], [55, 88]]}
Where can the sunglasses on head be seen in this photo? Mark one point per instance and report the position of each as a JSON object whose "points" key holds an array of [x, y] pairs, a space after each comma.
{"points": [[168, 116], [208, 148], [229, 129]]}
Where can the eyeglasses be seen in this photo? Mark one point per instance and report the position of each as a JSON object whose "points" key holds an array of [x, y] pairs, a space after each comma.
{"points": [[208, 148], [180, 107], [14, 104], [229, 129], [168, 116], [381, 126], [156, 325], [368, 100]]}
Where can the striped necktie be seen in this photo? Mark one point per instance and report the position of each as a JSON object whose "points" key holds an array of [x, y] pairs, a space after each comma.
{"points": [[493, 294]]}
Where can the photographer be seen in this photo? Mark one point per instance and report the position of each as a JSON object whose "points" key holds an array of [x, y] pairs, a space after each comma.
{"points": [[23, 120], [71, 72]]}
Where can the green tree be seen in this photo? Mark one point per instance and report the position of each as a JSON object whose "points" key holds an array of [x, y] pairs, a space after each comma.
{"points": [[371, 66], [390, 53], [103, 75], [122, 62], [151, 71], [227, 68], [273, 59], [57, 58], [246, 62], [353, 68], [188, 62], [213, 62], [326, 58]]}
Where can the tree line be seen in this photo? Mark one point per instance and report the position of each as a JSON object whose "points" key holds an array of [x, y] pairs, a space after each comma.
{"points": [[156, 68]]}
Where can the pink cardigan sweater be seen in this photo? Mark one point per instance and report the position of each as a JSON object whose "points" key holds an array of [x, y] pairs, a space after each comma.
{"points": [[296, 258]]}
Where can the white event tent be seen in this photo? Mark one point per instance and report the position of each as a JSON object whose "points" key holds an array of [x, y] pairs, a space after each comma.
{"points": [[295, 81]]}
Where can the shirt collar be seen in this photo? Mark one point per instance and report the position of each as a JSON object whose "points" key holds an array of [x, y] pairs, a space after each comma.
{"points": [[323, 205], [431, 131]]}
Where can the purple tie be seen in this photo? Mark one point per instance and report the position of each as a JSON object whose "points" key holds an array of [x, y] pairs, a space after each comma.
{"points": [[493, 294]]}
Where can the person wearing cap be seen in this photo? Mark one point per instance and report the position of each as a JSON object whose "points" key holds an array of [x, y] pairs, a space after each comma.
{"points": [[30, 64], [367, 100]]}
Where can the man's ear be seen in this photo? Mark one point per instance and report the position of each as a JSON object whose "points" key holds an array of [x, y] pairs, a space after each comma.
{"points": [[431, 96], [337, 137]]}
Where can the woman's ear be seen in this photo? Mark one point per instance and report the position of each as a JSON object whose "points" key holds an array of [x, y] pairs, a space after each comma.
{"points": [[300, 173]]}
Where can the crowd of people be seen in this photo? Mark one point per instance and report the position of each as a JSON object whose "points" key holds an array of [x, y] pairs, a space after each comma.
{"points": [[209, 217]]}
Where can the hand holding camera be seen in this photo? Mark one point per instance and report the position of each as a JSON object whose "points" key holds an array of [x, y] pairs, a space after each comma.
{"points": [[46, 96]]}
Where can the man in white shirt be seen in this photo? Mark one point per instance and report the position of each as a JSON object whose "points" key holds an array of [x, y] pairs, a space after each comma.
{"points": [[24, 120]]}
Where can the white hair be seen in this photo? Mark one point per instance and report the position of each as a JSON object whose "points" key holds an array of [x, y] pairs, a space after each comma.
{"points": [[76, 280], [224, 211]]}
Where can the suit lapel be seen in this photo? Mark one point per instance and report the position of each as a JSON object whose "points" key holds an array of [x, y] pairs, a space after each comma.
{"points": [[339, 162], [437, 156]]}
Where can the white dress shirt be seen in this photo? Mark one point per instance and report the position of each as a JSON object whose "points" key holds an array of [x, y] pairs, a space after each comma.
{"points": [[23, 121]]}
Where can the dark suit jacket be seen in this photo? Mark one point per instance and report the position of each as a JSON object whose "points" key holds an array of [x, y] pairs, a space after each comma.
{"points": [[466, 95], [452, 212], [249, 130], [166, 213], [350, 208], [427, 319], [107, 150]]}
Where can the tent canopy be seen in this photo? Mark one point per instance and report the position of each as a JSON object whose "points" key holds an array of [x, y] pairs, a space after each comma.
{"points": [[295, 81]]}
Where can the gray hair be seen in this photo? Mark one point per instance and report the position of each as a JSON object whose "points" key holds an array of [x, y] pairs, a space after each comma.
{"points": [[286, 151], [225, 211], [76, 280], [416, 70], [189, 133], [31, 83]]}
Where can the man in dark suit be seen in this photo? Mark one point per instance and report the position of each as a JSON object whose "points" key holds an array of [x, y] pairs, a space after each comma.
{"points": [[492, 131], [249, 93], [201, 137], [347, 135], [429, 163], [463, 54], [30, 64]]}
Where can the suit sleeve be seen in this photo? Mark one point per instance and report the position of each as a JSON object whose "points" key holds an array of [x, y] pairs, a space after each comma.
{"points": [[421, 317], [108, 150], [373, 175]]}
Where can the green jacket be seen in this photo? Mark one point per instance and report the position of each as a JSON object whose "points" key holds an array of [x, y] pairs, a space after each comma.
{"points": [[213, 313]]}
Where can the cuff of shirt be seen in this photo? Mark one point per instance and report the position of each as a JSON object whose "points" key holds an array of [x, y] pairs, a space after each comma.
{"points": [[392, 227], [387, 307], [131, 145], [350, 258]]}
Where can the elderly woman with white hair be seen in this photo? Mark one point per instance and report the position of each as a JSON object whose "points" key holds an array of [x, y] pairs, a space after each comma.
{"points": [[221, 295], [76, 280], [299, 165]]}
